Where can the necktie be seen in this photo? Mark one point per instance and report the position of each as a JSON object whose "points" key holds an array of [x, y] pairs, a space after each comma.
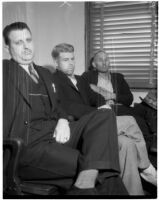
{"points": [[74, 81], [33, 73]]}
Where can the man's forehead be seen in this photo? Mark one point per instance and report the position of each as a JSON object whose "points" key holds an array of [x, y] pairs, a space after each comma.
{"points": [[66, 54], [101, 55], [19, 34]]}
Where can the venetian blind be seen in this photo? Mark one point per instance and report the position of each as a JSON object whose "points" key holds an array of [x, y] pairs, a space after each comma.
{"points": [[128, 32]]}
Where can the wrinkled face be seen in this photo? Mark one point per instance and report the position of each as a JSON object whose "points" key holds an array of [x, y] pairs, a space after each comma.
{"points": [[66, 62], [21, 46], [101, 62]]}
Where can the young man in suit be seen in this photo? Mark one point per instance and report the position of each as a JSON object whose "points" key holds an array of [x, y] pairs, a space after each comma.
{"points": [[78, 100], [81, 154]]}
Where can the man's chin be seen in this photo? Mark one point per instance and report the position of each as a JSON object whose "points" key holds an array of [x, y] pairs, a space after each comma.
{"points": [[26, 62], [69, 73]]}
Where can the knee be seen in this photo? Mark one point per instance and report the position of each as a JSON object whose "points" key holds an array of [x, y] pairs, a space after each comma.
{"points": [[106, 114], [132, 120]]}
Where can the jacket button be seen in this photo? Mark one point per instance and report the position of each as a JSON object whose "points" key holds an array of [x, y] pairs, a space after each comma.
{"points": [[26, 122]]}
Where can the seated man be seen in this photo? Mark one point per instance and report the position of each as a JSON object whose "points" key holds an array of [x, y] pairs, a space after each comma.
{"points": [[115, 90], [147, 109], [78, 100], [81, 154]]}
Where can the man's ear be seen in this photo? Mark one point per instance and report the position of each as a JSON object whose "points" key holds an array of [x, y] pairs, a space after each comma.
{"points": [[6, 47], [55, 63], [93, 64]]}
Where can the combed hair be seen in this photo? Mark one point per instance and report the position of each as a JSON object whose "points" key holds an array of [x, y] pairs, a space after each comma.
{"points": [[63, 47], [12, 27]]}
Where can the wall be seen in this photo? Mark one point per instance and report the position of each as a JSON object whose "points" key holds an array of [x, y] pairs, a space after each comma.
{"points": [[51, 23]]}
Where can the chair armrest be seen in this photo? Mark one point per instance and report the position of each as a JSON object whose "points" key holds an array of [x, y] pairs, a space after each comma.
{"points": [[11, 153]]}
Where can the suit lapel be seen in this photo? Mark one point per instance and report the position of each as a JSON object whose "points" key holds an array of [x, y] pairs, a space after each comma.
{"points": [[20, 80], [66, 81], [82, 89]]}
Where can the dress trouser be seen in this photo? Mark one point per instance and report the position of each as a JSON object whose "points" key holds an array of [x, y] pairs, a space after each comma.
{"points": [[128, 126], [129, 166], [121, 110], [94, 136]]}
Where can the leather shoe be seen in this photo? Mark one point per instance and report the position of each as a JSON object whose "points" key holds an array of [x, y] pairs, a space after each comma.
{"points": [[82, 191]]}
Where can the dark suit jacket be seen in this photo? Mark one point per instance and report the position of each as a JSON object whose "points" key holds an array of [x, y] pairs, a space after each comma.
{"points": [[20, 120], [76, 102], [120, 86], [42, 157]]}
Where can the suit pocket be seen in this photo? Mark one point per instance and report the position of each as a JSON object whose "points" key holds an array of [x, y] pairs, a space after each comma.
{"points": [[38, 95]]}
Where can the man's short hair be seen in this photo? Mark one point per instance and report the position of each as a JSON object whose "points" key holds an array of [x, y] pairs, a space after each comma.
{"points": [[63, 47], [12, 27], [99, 51]]}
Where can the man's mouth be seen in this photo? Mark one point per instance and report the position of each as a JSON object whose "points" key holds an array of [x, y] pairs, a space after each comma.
{"points": [[28, 52]]}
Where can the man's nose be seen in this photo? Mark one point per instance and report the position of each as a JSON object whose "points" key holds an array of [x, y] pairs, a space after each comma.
{"points": [[25, 44], [104, 62], [71, 62]]}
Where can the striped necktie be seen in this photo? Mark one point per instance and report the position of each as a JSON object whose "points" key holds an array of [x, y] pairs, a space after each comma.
{"points": [[33, 73]]}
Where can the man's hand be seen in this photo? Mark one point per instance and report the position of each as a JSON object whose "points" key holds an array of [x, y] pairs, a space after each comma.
{"points": [[62, 131]]}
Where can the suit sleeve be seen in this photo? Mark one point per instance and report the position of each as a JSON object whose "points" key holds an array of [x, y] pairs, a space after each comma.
{"points": [[75, 109], [123, 94], [8, 102], [60, 110], [95, 99]]}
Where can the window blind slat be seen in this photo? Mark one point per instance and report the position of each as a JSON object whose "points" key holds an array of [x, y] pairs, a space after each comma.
{"points": [[118, 4], [122, 26], [122, 36]]}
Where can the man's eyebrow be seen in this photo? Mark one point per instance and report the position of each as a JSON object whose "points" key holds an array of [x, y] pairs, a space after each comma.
{"points": [[17, 40]]}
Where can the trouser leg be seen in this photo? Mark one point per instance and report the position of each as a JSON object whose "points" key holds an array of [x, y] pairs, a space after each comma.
{"points": [[127, 125], [129, 166], [98, 143], [49, 163], [94, 135], [121, 110]]}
